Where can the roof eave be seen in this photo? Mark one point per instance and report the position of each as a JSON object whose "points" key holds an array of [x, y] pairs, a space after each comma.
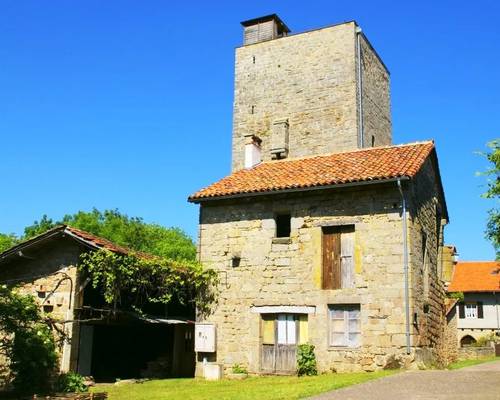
{"points": [[297, 190]]}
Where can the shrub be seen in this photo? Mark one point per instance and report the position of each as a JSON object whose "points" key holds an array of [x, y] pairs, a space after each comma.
{"points": [[28, 342], [306, 360], [238, 369], [71, 382]]}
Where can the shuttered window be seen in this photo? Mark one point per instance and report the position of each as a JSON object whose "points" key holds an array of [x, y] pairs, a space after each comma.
{"points": [[338, 257], [345, 325], [471, 310]]}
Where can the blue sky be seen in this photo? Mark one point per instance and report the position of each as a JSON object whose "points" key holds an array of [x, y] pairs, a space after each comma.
{"points": [[128, 105]]}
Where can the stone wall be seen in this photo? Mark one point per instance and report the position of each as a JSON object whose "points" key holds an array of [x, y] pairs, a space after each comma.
{"points": [[310, 79], [467, 353], [275, 273], [376, 98], [426, 238], [49, 276]]}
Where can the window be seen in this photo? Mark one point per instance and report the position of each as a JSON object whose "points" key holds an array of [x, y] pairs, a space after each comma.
{"points": [[235, 261], [338, 257], [283, 225], [287, 331], [284, 329], [471, 310], [345, 325]]}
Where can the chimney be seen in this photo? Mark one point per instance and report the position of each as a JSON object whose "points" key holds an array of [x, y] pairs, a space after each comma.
{"points": [[252, 151], [263, 28]]}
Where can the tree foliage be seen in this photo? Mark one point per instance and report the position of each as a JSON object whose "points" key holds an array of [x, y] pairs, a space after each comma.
{"points": [[7, 241], [131, 232], [493, 192], [26, 341], [131, 282]]}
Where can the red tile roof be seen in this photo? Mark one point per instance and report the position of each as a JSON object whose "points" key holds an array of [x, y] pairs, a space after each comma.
{"points": [[476, 276], [96, 241], [101, 243], [374, 164]]}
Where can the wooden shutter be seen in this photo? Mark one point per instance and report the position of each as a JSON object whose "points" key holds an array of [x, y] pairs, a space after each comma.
{"points": [[461, 310], [331, 246], [347, 256], [480, 309]]}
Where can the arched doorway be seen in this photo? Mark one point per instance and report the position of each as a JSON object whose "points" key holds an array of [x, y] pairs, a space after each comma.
{"points": [[467, 340]]}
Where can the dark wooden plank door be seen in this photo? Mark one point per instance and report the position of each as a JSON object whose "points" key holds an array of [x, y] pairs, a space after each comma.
{"points": [[331, 247]]}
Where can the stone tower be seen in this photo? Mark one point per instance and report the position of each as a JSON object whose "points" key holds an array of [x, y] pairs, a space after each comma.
{"points": [[321, 91]]}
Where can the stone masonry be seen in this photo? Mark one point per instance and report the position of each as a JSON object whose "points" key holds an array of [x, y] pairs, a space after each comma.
{"points": [[310, 80], [276, 273]]}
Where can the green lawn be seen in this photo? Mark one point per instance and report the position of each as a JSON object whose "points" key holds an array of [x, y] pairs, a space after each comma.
{"points": [[469, 363], [268, 387]]}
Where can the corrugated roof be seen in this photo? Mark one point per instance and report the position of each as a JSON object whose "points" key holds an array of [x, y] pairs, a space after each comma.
{"points": [[374, 164]]}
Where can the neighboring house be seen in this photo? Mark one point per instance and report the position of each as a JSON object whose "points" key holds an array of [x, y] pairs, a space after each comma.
{"points": [[321, 217], [102, 346], [479, 313]]}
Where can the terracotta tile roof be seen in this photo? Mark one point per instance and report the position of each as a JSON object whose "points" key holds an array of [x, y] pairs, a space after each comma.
{"points": [[372, 164], [101, 243], [96, 241], [476, 276]]}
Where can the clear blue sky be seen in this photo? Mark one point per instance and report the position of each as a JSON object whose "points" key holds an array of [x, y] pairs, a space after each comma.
{"points": [[127, 104]]}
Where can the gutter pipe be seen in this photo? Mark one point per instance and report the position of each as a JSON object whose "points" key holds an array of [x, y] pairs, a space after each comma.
{"points": [[361, 139], [405, 266]]}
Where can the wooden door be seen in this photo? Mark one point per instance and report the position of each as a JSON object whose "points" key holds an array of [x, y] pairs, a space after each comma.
{"points": [[331, 247], [279, 350]]}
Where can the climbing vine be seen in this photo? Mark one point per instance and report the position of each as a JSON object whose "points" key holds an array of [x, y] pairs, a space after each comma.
{"points": [[135, 280]]}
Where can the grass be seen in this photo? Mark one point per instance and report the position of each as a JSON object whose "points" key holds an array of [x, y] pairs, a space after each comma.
{"points": [[262, 388], [469, 363]]}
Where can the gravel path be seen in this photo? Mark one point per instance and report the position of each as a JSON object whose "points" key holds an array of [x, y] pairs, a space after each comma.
{"points": [[479, 382]]}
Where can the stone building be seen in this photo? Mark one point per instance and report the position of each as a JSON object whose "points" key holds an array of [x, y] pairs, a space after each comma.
{"points": [[479, 312], [324, 232], [96, 342]]}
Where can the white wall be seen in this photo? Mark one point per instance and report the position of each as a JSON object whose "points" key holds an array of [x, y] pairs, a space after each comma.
{"points": [[491, 312]]}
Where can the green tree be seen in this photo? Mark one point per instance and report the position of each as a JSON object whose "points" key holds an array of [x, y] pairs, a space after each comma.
{"points": [[493, 192], [7, 241], [38, 227], [131, 232]]}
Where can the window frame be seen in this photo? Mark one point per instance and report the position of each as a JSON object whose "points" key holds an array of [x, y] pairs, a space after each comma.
{"points": [[471, 310], [277, 221], [347, 343]]}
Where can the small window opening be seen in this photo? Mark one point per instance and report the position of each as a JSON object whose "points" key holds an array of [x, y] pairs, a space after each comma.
{"points": [[252, 110], [48, 308], [283, 225], [253, 59], [235, 262], [373, 141]]}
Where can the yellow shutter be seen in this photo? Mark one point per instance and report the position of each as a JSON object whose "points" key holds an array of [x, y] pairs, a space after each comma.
{"points": [[303, 330], [268, 328]]}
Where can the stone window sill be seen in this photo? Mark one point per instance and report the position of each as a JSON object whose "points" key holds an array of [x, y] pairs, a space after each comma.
{"points": [[343, 348], [282, 240]]}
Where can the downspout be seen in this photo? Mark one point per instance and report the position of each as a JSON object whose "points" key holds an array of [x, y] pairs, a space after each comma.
{"points": [[405, 267], [361, 139]]}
